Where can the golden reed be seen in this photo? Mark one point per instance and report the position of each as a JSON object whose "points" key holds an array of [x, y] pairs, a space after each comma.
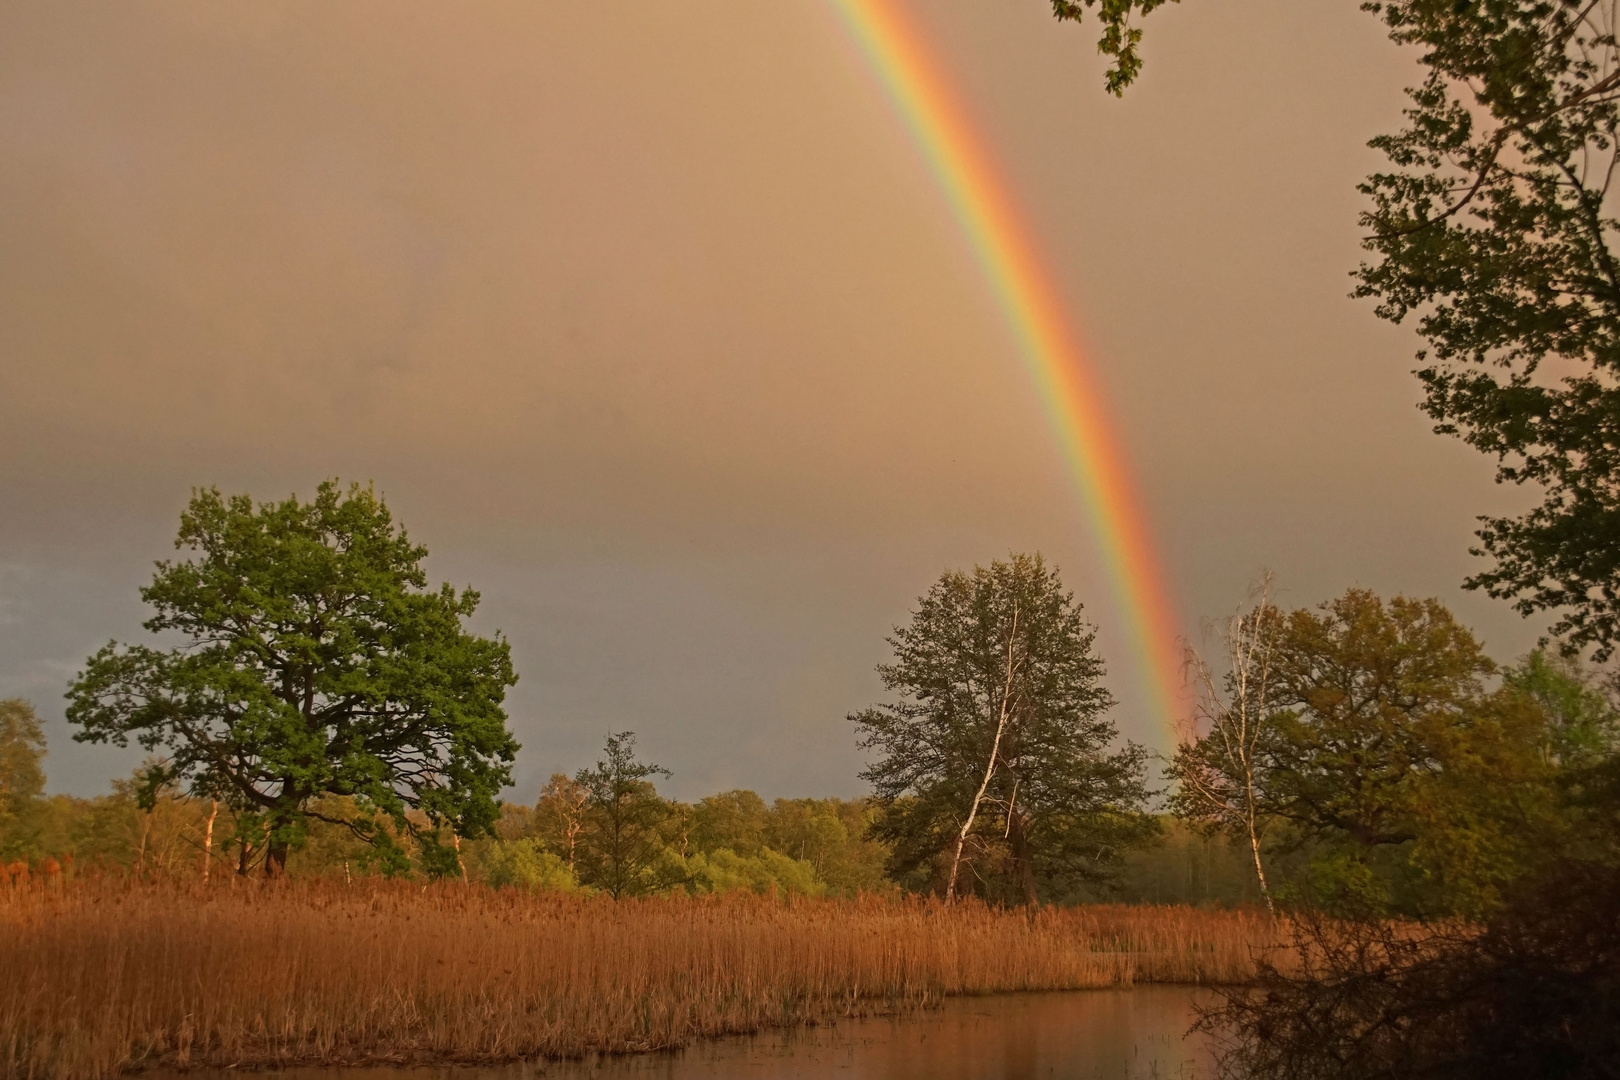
{"points": [[97, 977]]}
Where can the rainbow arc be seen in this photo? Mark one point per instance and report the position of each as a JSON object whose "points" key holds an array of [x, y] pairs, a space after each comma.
{"points": [[1059, 367]]}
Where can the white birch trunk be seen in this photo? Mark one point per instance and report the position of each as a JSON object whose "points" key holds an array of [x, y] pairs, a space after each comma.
{"points": [[990, 767]]}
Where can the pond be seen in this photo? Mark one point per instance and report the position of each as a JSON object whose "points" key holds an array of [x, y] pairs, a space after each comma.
{"points": [[1138, 1034]]}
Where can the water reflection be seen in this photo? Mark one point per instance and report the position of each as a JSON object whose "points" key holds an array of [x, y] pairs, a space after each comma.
{"points": [[1084, 1035]]}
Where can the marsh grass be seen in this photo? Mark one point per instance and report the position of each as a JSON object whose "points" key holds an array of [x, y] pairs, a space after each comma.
{"points": [[97, 977]]}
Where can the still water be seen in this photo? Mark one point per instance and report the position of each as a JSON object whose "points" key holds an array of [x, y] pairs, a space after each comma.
{"points": [[1138, 1034]]}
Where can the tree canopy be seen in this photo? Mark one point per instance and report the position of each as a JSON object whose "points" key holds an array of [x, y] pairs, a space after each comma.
{"points": [[1121, 38], [312, 660], [1493, 227], [1394, 760], [998, 743], [22, 780]]}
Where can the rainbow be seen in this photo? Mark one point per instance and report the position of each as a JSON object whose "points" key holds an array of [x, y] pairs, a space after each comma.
{"points": [[940, 128]]}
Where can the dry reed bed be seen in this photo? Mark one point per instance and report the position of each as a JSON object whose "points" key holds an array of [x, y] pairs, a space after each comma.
{"points": [[99, 977]]}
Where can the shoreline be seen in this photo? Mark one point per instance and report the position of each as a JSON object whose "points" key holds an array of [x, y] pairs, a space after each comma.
{"points": [[718, 1046], [114, 977]]}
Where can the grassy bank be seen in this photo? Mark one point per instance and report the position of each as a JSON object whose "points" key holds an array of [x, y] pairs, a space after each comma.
{"points": [[102, 976]]}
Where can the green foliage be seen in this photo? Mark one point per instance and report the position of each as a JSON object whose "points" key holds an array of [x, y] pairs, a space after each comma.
{"points": [[437, 859], [22, 779], [384, 855], [1120, 40], [734, 820], [525, 864], [766, 871], [1396, 778], [1372, 691], [1583, 726], [1494, 226], [1185, 865], [995, 675], [316, 663], [623, 848], [559, 817], [832, 836]]}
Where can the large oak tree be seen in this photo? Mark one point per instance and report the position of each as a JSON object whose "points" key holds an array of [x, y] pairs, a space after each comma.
{"points": [[305, 656]]}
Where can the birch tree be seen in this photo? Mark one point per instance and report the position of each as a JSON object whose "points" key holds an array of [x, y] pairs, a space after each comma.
{"points": [[997, 770], [1219, 765]]}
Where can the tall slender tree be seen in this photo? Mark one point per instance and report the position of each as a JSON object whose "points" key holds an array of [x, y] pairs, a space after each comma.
{"points": [[622, 849], [1220, 770]]}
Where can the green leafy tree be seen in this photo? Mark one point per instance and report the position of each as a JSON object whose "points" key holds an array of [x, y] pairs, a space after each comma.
{"points": [[525, 864], [1494, 226], [731, 819], [623, 849], [314, 661], [558, 819], [1370, 688], [22, 778], [1583, 726], [765, 871], [994, 771], [832, 836], [1415, 786]]}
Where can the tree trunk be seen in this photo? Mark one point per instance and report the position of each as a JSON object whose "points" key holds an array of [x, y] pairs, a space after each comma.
{"points": [[1259, 870], [275, 859], [1019, 843], [208, 837], [990, 766]]}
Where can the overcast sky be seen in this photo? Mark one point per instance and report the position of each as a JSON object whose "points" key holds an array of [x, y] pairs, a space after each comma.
{"points": [[648, 320]]}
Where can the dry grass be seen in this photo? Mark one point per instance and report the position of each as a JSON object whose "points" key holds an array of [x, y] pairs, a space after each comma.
{"points": [[99, 977]]}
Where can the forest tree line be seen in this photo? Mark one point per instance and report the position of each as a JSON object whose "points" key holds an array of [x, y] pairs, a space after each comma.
{"points": [[1365, 755]]}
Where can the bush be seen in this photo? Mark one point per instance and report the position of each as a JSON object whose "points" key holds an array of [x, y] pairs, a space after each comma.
{"points": [[1534, 993], [723, 870], [523, 864]]}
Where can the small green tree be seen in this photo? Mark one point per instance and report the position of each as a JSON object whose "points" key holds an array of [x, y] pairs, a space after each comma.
{"points": [[315, 661], [558, 819], [994, 763], [623, 849], [1583, 726], [22, 779], [831, 835]]}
